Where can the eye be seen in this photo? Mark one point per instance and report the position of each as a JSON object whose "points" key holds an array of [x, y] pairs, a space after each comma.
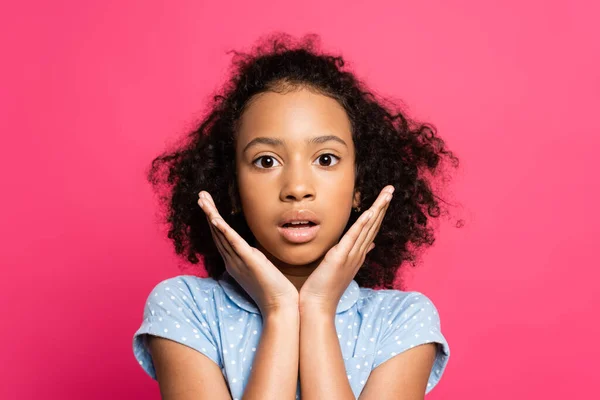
{"points": [[328, 160], [265, 162]]}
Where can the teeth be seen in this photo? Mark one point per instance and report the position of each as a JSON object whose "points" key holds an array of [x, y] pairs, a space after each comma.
{"points": [[299, 222]]}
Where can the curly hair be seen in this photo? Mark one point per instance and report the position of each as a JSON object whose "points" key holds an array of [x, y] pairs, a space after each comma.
{"points": [[390, 149]]}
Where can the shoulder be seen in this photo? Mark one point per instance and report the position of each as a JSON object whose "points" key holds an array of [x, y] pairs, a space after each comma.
{"points": [[407, 320], [186, 283], [182, 309], [182, 288], [185, 297], [392, 302]]}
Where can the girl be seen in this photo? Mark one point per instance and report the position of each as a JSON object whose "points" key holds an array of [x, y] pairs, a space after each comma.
{"points": [[270, 192]]}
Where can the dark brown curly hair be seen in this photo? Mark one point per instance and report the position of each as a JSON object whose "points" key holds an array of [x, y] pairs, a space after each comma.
{"points": [[390, 149]]}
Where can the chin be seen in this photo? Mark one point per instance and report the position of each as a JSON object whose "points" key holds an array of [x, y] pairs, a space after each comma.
{"points": [[299, 254]]}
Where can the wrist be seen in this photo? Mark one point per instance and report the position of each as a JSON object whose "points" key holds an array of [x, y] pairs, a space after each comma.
{"points": [[316, 309], [284, 313]]}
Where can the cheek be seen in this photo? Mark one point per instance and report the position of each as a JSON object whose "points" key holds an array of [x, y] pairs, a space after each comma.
{"points": [[256, 196]]}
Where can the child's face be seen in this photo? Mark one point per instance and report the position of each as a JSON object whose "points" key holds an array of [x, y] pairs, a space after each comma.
{"points": [[295, 174]]}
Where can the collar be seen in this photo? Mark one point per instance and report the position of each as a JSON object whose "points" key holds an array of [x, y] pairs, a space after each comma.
{"points": [[238, 295]]}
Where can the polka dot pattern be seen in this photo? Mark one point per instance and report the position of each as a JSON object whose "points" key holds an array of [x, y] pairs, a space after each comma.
{"points": [[218, 319]]}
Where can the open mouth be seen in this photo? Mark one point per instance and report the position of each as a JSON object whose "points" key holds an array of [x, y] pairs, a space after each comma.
{"points": [[299, 232], [299, 224]]}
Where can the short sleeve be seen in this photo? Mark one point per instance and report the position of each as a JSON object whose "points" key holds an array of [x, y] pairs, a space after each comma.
{"points": [[171, 312], [412, 321]]}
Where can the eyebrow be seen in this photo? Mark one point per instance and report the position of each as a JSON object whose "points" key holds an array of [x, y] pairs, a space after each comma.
{"points": [[278, 142]]}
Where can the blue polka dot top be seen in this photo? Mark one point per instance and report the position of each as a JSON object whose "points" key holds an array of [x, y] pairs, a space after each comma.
{"points": [[218, 319]]}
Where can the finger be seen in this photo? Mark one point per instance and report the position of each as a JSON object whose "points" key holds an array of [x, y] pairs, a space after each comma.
{"points": [[377, 208], [239, 246], [217, 236], [374, 229], [349, 239], [353, 237]]}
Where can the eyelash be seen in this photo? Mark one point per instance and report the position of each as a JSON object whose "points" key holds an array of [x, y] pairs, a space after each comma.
{"points": [[256, 161]]}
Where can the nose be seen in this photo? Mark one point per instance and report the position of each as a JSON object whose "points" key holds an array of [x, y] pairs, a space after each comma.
{"points": [[297, 184]]}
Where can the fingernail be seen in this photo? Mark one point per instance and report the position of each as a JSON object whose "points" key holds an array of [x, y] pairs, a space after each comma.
{"points": [[214, 222], [388, 197], [391, 190]]}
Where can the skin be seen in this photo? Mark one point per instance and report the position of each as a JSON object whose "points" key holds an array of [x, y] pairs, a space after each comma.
{"points": [[295, 174], [298, 286]]}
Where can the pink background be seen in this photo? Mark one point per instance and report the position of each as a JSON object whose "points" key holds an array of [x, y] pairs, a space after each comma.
{"points": [[91, 91]]}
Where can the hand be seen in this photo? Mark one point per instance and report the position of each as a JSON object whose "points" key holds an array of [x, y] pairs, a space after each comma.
{"points": [[325, 286], [269, 288]]}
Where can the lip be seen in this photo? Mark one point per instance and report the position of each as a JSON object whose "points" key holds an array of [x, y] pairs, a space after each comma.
{"points": [[299, 235], [299, 215]]}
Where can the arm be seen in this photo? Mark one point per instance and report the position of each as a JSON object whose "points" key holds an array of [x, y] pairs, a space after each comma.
{"points": [[320, 351], [403, 377], [186, 374], [275, 366]]}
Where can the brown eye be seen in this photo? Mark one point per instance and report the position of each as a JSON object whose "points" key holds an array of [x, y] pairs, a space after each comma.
{"points": [[327, 160], [265, 162]]}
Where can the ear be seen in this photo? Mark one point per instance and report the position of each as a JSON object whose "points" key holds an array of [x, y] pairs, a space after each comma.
{"points": [[356, 200]]}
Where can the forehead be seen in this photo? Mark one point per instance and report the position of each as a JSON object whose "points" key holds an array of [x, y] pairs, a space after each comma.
{"points": [[293, 116]]}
